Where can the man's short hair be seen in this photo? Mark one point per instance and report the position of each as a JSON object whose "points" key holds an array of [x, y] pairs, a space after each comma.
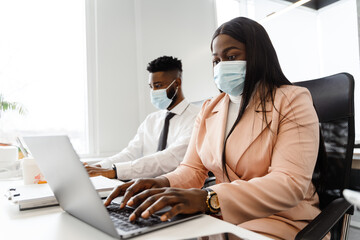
{"points": [[164, 64]]}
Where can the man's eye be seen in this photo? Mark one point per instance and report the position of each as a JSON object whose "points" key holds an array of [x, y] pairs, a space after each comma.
{"points": [[233, 57]]}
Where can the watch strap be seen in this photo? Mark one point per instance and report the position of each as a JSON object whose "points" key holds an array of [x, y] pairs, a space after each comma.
{"points": [[114, 168]]}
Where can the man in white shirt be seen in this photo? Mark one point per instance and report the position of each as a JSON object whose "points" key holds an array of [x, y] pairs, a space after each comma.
{"points": [[159, 145]]}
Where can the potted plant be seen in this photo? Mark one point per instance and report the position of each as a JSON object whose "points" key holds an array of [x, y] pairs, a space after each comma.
{"points": [[10, 106]]}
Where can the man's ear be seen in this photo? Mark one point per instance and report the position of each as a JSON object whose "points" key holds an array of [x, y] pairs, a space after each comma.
{"points": [[178, 82]]}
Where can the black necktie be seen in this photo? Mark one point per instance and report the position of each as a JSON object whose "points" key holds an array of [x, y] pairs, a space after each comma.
{"points": [[164, 132]]}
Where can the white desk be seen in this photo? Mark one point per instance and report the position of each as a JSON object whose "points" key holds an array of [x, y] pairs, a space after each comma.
{"points": [[53, 223]]}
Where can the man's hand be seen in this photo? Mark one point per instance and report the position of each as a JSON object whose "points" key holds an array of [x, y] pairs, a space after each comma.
{"points": [[96, 170]]}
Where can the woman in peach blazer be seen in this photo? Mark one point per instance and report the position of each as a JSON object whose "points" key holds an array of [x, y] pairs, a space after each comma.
{"points": [[270, 167], [259, 137]]}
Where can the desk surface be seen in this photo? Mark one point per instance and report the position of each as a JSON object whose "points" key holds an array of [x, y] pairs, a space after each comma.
{"points": [[54, 223]]}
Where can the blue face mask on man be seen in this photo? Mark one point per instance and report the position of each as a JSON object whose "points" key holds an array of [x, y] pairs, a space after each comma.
{"points": [[160, 99], [229, 76]]}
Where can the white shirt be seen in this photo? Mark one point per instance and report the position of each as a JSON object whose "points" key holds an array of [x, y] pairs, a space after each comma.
{"points": [[141, 159], [233, 112]]}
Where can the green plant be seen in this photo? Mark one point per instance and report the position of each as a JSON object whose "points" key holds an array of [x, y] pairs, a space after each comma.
{"points": [[13, 106]]}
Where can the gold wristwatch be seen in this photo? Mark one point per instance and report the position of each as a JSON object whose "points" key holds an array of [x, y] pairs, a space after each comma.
{"points": [[212, 201]]}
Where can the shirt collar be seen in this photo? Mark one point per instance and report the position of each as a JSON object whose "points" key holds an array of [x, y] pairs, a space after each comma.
{"points": [[180, 108], [235, 99]]}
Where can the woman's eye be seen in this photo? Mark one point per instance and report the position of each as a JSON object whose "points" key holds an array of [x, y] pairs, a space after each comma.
{"points": [[231, 57], [215, 62]]}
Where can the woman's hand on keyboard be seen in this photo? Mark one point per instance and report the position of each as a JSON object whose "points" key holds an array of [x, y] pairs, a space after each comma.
{"points": [[186, 201], [134, 187]]}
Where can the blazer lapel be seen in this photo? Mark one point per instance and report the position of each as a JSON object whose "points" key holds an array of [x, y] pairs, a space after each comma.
{"points": [[215, 125], [247, 131]]}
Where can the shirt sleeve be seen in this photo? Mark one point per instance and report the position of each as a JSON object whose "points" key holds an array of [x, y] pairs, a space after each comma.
{"points": [[158, 163]]}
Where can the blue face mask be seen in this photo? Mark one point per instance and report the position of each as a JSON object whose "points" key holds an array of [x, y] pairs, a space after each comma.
{"points": [[229, 76], [160, 99]]}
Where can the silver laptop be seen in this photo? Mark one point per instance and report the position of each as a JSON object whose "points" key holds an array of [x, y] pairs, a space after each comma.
{"points": [[72, 187]]}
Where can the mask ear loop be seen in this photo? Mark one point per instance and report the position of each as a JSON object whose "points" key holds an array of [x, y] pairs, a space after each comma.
{"points": [[170, 84], [174, 93], [175, 90]]}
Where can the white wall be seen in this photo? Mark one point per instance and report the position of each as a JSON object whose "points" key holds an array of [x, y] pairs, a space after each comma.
{"points": [[176, 28], [128, 34], [113, 105]]}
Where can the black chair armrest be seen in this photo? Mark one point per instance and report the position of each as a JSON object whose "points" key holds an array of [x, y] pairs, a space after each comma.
{"points": [[209, 181], [322, 224]]}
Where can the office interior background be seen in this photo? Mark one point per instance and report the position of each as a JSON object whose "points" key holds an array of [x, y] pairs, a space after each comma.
{"points": [[79, 67]]}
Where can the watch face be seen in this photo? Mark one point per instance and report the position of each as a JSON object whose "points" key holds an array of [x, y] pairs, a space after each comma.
{"points": [[214, 202]]}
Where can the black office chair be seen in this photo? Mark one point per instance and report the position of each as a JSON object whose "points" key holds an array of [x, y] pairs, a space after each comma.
{"points": [[333, 98]]}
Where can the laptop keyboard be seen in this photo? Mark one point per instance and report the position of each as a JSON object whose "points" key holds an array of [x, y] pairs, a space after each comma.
{"points": [[120, 217]]}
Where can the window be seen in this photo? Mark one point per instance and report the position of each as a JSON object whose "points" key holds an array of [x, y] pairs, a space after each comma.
{"points": [[43, 66]]}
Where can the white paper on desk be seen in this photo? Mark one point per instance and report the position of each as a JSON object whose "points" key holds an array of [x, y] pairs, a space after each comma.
{"points": [[104, 184], [32, 192], [39, 195]]}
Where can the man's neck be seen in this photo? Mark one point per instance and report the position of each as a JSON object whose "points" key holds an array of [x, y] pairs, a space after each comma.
{"points": [[179, 99]]}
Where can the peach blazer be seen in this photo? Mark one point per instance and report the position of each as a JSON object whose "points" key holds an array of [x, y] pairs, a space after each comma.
{"points": [[270, 168]]}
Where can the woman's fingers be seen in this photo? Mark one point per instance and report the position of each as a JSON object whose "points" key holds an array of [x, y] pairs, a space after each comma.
{"points": [[175, 210], [131, 191], [186, 201], [117, 191], [152, 205], [139, 198], [139, 186]]}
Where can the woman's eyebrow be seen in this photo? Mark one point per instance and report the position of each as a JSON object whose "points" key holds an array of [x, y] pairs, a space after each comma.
{"points": [[227, 49]]}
